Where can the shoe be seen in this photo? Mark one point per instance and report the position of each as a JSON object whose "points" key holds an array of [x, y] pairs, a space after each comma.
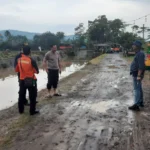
{"points": [[35, 112], [134, 107], [48, 96], [141, 105], [56, 94], [21, 112]]}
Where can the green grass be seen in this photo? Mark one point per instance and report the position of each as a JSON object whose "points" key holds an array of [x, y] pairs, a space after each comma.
{"points": [[14, 128], [97, 59]]}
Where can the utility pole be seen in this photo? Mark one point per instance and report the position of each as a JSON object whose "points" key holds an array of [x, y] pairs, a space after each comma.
{"points": [[143, 31]]}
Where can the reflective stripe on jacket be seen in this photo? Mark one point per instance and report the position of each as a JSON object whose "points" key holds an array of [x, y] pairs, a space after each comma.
{"points": [[27, 67]]}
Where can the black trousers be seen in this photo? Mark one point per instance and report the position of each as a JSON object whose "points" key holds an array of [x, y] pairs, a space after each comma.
{"points": [[25, 100], [53, 77], [32, 97]]}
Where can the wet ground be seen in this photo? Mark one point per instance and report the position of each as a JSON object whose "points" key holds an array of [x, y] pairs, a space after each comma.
{"points": [[92, 114]]}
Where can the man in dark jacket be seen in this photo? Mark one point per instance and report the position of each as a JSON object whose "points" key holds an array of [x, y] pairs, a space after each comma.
{"points": [[15, 64], [137, 71]]}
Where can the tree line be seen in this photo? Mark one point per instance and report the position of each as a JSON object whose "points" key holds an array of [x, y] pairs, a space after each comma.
{"points": [[100, 30], [44, 41]]}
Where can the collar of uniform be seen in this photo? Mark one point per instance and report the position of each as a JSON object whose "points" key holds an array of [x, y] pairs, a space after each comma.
{"points": [[138, 51], [23, 55]]}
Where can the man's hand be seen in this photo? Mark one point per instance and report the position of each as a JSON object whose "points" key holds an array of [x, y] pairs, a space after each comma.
{"points": [[45, 69], [59, 71], [138, 78]]}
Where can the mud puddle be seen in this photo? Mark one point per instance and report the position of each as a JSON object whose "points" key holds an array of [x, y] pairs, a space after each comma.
{"points": [[103, 106], [100, 107]]}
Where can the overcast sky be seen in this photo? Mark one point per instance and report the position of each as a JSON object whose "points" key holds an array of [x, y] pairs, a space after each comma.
{"points": [[65, 15]]}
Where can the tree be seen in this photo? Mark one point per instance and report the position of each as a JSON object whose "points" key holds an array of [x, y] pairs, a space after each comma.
{"points": [[142, 29], [1, 38], [103, 30], [115, 28], [45, 40], [126, 39], [80, 35], [135, 28], [17, 41], [60, 35], [79, 30], [98, 28], [7, 34]]}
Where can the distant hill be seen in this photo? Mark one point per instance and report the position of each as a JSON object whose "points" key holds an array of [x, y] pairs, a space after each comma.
{"points": [[71, 37], [30, 35]]}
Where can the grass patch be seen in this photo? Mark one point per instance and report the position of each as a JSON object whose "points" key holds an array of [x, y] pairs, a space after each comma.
{"points": [[97, 60], [14, 128]]}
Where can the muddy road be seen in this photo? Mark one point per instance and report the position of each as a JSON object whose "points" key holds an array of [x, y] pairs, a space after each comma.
{"points": [[92, 114]]}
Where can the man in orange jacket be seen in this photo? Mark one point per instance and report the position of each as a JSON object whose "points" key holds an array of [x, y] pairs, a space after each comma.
{"points": [[27, 68], [15, 64]]}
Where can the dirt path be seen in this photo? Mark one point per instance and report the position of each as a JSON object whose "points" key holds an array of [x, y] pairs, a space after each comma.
{"points": [[93, 115]]}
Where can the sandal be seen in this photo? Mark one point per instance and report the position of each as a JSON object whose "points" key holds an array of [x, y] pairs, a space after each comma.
{"points": [[48, 96], [57, 94]]}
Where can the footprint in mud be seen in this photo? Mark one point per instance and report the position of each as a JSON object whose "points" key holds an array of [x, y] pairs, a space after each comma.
{"points": [[123, 65], [88, 121], [119, 60], [60, 112], [56, 144], [73, 121]]}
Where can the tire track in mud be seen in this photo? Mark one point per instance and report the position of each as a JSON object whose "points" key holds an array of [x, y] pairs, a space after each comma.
{"points": [[90, 141]]}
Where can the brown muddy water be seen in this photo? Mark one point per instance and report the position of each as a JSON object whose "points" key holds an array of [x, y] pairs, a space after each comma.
{"points": [[9, 85]]}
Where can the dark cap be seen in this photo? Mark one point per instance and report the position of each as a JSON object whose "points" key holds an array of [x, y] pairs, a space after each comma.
{"points": [[26, 50], [138, 43]]}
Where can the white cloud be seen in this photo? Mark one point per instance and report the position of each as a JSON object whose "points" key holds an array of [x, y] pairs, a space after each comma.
{"points": [[39, 16]]}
